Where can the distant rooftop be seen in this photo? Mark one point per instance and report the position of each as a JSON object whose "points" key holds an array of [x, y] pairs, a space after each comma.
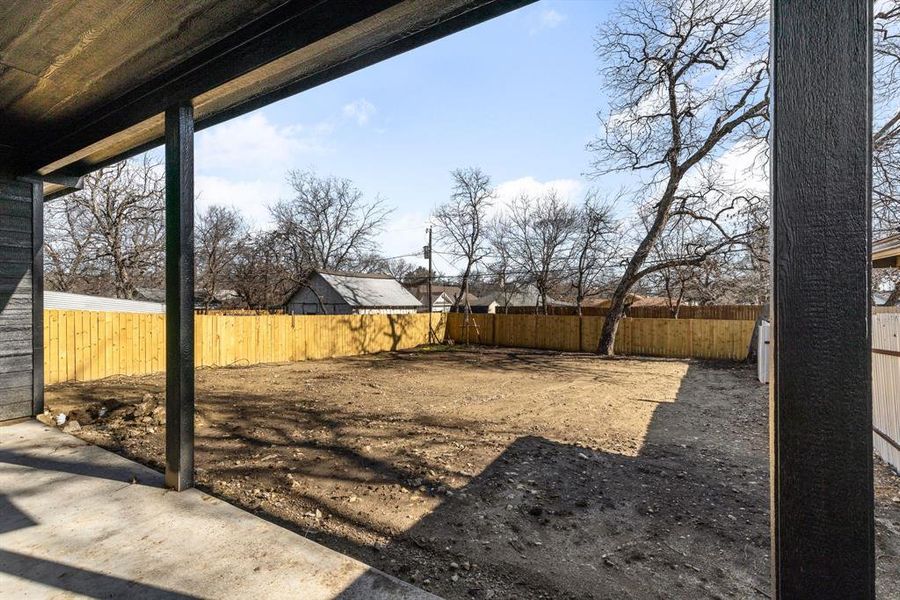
{"points": [[369, 289], [886, 251]]}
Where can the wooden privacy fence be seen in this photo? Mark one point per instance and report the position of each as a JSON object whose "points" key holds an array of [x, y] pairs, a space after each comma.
{"points": [[83, 345], [886, 387], [731, 312], [674, 338]]}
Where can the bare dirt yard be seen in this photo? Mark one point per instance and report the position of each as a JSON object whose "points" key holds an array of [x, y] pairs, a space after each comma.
{"points": [[491, 473]]}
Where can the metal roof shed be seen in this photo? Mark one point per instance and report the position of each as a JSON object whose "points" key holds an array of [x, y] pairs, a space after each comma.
{"points": [[343, 293]]}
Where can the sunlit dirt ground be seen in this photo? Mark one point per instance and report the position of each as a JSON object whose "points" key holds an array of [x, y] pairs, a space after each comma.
{"points": [[487, 473]]}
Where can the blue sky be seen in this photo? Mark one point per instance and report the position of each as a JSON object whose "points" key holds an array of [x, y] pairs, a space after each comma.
{"points": [[516, 96]]}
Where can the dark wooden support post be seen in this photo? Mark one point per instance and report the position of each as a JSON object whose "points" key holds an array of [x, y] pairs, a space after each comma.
{"points": [[820, 404], [180, 297], [37, 295]]}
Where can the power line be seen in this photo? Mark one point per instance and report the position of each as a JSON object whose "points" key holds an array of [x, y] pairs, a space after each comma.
{"points": [[402, 256]]}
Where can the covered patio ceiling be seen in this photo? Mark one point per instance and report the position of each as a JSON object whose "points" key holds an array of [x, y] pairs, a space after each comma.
{"points": [[84, 84]]}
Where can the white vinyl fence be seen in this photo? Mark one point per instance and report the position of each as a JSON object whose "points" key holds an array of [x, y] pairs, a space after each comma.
{"points": [[762, 353], [886, 387]]}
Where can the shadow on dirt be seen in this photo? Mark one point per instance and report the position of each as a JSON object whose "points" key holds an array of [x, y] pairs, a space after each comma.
{"points": [[684, 517]]}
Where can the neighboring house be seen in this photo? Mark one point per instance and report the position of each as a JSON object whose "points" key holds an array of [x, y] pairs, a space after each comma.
{"points": [[452, 291], [440, 302], [342, 293], [886, 252], [67, 301], [526, 298], [219, 300], [150, 294]]}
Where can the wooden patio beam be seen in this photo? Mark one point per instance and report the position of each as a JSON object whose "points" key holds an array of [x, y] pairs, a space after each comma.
{"points": [[180, 296], [820, 394]]}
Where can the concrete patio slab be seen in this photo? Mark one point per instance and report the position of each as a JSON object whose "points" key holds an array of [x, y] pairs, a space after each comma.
{"points": [[72, 524]]}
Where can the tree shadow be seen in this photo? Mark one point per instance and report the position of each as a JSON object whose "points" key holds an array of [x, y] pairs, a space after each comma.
{"points": [[686, 514], [91, 584], [92, 469], [65, 577]]}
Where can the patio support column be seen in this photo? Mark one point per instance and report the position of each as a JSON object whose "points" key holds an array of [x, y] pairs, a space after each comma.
{"points": [[180, 297], [37, 295], [21, 298], [820, 394]]}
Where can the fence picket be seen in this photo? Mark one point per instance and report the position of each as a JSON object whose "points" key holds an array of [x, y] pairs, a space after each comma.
{"points": [[673, 338], [82, 345]]}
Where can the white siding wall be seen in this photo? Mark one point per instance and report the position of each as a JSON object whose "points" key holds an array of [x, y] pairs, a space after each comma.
{"points": [[886, 386], [319, 294], [67, 301]]}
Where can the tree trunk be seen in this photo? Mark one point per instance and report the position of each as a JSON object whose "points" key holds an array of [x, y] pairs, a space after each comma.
{"points": [[464, 285], [611, 322], [630, 276]]}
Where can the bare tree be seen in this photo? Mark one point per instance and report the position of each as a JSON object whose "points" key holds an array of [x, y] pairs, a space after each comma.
{"points": [[69, 232], [539, 233], [500, 269], [460, 222], [399, 269], [328, 224], [686, 80], [260, 277], [594, 247], [886, 138], [117, 227], [886, 119], [219, 233]]}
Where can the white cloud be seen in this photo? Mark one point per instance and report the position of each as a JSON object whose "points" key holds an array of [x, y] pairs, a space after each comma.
{"points": [[739, 170], [251, 197], [404, 233], [567, 189], [742, 168], [252, 144], [242, 163], [360, 111], [546, 19]]}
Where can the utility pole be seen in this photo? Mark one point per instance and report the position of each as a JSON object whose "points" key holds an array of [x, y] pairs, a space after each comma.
{"points": [[431, 339]]}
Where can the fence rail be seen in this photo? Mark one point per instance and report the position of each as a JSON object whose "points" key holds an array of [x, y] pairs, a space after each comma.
{"points": [[674, 338], [886, 387], [730, 312], [86, 345]]}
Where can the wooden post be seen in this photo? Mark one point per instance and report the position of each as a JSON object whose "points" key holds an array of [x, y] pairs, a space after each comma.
{"points": [[180, 297], [820, 398], [37, 298]]}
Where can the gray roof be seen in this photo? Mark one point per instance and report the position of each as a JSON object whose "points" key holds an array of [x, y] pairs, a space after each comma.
{"points": [[369, 290], [525, 297], [436, 297], [67, 301]]}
